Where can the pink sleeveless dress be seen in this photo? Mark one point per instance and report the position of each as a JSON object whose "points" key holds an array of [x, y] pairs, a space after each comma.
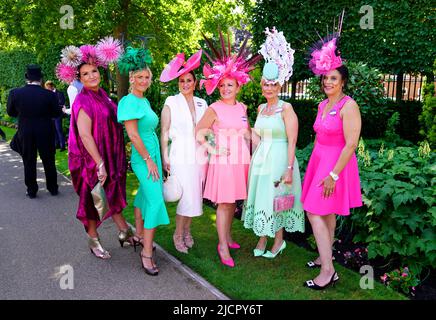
{"points": [[329, 143], [227, 176]]}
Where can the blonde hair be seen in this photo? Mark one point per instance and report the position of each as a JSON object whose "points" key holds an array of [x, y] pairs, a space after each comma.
{"points": [[133, 73]]}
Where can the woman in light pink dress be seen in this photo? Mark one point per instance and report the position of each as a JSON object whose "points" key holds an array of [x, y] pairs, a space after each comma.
{"points": [[331, 183], [229, 161]]}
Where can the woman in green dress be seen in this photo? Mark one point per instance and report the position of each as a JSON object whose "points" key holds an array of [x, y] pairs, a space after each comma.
{"points": [[274, 160], [140, 122]]}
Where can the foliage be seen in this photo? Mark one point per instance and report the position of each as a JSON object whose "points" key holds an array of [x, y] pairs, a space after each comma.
{"points": [[167, 26], [303, 156], [251, 95], [402, 39], [399, 216], [356, 258], [391, 134], [408, 127], [14, 67], [401, 279], [428, 116]]}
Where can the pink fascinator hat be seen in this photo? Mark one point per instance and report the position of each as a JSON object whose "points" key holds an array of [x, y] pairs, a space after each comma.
{"points": [[324, 54], [177, 67], [227, 65], [105, 52]]}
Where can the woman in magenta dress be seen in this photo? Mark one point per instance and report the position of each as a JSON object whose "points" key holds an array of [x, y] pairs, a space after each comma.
{"points": [[227, 175], [96, 142], [331, 184]]}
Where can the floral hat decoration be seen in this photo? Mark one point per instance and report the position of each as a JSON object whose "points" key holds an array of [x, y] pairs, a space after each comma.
{"points": [[279, 57], [177, 66], [227, 64], [324, 54], [134, 59], [105, 52]]}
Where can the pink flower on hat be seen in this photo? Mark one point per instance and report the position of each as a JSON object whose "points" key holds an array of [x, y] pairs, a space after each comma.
{"points": [[325, 59]]}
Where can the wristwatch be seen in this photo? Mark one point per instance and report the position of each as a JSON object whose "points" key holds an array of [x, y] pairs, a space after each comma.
{"points": [[334, 176]]}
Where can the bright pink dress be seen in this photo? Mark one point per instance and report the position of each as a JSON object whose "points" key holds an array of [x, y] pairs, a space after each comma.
{"points": [[227, 176], [329, 143]]}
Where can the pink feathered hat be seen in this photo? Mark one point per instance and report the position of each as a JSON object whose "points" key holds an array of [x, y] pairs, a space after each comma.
{"points": [[177, 67], [227, 65], [105, 52], [324, 54]]}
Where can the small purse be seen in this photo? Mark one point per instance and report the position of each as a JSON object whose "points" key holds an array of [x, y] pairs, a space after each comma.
{"points": [[282, 202], [100, 200], [172, 190]]}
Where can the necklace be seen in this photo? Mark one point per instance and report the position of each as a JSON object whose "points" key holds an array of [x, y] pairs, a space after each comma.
{"points": [[271, 108]]}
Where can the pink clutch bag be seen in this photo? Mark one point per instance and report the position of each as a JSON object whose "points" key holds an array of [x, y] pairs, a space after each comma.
{"points": [[283, 202]]}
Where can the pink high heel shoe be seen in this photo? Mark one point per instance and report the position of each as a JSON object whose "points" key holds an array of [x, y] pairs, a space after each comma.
{"points": [[227, 262], [234, 245]]}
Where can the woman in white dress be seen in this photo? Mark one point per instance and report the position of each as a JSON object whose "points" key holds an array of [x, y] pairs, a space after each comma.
{"points": [[184, 158]]}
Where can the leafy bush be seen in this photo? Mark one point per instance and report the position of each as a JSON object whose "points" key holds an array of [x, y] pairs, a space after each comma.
{"points": [[399, 216], [428, 115], [408, 126], [251, 95], [401, 280], [14, 67]]}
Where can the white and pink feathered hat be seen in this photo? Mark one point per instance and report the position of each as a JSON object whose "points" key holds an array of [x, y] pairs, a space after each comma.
{"points": [[324, 54], [177, 66], [106, 51], [227, 65]]}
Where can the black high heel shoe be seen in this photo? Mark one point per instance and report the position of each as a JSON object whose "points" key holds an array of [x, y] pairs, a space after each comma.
{"points": [[150, 271], [138, 241], [126, 236], [312, 285], [313, 265]]}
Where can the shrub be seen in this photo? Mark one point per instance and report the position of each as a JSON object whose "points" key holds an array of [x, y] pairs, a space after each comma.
{"points": [[428, 116], [401, 280], [399, 216]]}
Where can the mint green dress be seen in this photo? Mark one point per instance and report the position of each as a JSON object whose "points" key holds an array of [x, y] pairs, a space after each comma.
{"points": [[268, 164], [149, 198]]}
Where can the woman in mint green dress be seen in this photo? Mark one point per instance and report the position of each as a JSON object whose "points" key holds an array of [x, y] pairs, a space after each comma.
{"points": [[140, 121], [274, 160]]}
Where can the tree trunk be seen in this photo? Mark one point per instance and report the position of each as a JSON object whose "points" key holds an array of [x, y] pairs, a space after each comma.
{"points": [[399, 89]]}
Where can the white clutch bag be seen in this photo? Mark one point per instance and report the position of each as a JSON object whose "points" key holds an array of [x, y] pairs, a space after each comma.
{"points": [[172, 190]]}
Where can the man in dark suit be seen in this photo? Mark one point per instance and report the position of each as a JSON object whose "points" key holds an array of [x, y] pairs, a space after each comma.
{"points": [[35, 107], [59, 131]]}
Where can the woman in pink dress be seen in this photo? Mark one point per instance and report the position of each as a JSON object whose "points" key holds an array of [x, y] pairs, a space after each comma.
{"points": [[96, 142], [227, 175], [331, 183]]}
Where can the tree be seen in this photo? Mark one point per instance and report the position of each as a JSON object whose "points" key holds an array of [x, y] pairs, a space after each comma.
{"points": [[170, 26]]}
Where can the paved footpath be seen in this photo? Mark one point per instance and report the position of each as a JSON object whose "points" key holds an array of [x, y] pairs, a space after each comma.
{"points": [[42, 245]]}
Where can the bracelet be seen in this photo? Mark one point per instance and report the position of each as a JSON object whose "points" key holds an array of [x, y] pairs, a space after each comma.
{"points": [[334, 176], [147, 158], [101, 164], [291, 167]]}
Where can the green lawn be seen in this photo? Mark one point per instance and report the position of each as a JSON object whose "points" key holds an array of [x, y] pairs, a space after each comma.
{"points": [[252, 278]]}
